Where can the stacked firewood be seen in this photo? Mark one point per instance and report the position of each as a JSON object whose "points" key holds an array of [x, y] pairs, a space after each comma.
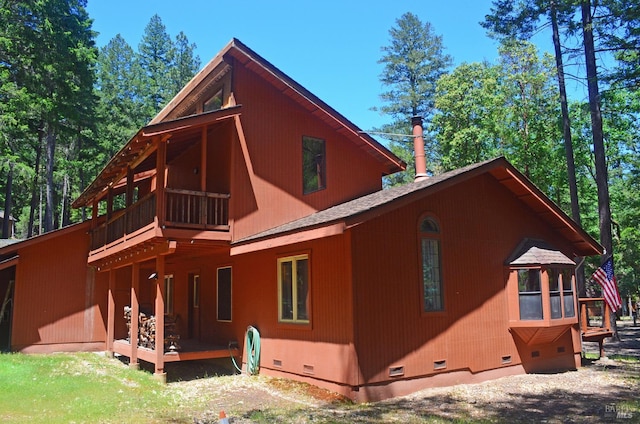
{"points": [[147, 330]]}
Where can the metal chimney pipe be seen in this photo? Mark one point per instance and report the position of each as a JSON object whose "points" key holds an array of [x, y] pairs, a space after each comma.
{"points": [[418, 148]]}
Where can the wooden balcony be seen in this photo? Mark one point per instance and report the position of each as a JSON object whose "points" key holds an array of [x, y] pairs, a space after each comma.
{"points": [[196, 209], [183, 209], [595, 320]]}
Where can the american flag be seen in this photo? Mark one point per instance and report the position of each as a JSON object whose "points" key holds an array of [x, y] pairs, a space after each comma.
{"points": [[607, 280]]}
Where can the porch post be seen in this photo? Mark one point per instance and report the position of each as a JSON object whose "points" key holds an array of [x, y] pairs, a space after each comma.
{"points": [[129, 192], [135, 315], [203, 160], [109, 203], [159, 312], [204, 219], [161, 158], [111, 309], [94, 214]]}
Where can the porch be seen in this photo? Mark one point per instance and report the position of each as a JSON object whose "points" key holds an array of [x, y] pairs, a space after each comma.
{"points": [[158, 309], [191, 350]]}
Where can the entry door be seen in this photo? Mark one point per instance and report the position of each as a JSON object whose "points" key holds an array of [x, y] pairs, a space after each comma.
{"points": [[194, 306]]}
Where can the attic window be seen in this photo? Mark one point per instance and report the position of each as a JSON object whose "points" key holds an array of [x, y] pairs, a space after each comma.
{"points": [[313, 165], [214, 102]]}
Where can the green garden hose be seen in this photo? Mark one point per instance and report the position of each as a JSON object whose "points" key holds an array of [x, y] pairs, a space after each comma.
{"points": [[253, 352]]}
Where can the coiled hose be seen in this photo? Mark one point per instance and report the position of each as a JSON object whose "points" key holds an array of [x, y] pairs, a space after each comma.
{"points": [[253, 352]]}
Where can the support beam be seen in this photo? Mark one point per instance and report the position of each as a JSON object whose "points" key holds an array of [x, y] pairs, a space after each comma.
{"points": [[109, 203], [129, 187], [161, 182], [203, 159], [94, 214], [135, 315], [111, 309], [159, 313]]}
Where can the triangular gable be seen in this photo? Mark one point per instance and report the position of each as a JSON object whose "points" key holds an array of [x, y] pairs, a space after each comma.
{"points": [[537, 252], [236, 52], [366, 207]]}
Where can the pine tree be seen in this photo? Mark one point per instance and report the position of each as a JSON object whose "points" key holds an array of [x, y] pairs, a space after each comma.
{"points": [[413, 62], [155, 60]]}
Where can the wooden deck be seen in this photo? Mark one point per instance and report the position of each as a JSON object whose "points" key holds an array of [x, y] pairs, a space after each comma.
{"points": [[191, 350]]}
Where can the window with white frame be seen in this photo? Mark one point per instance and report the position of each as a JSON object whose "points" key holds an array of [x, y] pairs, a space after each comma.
{"points": [[293, 289]]}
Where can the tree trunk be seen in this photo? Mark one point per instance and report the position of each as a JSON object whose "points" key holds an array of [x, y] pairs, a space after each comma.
{"points": [[65, 204], [568, 142], [6, 221], [49, 188], [604, 209], [35, 185]]}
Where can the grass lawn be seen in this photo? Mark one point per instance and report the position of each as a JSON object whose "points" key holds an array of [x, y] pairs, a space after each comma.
{"points": [[86, 387], [92, 388]]}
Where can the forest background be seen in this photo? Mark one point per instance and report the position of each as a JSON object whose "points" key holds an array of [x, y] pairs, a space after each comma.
{"points": [[67, 106]]}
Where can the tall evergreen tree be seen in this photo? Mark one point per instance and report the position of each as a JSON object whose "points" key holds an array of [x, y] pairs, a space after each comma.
{"points": [[413, 62], [50, 55], [185, 63], [154, 52], [119, 89]]}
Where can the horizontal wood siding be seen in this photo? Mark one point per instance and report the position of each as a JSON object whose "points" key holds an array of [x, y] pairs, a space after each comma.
{"points": [[481, 223], [54, 304], [267, 185]]}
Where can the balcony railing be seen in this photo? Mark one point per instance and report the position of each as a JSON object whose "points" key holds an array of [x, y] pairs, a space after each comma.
{"points": [[183, 209], [196, 209]]}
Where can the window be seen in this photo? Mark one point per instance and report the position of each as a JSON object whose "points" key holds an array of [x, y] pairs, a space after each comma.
{"points": [[293, 289], [214, 102], [313, 165], [431, 269], [555, 298], [196, 291], [168, 294], [530, 294], [224, 294], [567, 293]]}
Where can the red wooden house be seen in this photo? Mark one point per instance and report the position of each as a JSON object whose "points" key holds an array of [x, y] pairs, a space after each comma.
{"points": [[250, 202]]}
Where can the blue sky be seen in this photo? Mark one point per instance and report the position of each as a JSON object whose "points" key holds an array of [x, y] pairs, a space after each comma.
{"points": [[331, 47]]}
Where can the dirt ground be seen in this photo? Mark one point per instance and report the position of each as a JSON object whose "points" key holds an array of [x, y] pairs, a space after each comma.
{"points": [[603, 390]]}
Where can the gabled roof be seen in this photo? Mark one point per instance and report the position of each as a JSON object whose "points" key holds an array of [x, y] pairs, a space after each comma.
{"points": [[369, 206], [165, 122], [537, 252], [236, 51]]}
